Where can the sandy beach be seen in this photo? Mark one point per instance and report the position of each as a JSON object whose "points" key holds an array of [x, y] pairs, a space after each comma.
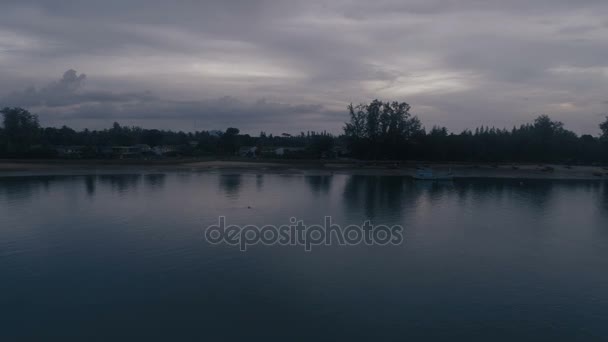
{"points": [[460, 170]]}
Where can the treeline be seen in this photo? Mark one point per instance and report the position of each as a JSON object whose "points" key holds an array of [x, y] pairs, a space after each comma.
{"points": [[376, 131], [21, 136], [382, 130]]}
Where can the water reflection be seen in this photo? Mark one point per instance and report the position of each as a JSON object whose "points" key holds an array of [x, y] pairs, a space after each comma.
{"points": [[120, 183], [155, 181], [535, 194], [22, 189], [230, 184], [259, 182], [431, 192], [603, 202], [377, 195], [319, 185], [472, 248], [90, 183]]}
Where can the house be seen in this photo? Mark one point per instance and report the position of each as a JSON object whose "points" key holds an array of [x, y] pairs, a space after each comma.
{"points": [[266, 151], [248, 151], [69, 151], [165, 150], [129, 152], [281, 151], [142, 148]]}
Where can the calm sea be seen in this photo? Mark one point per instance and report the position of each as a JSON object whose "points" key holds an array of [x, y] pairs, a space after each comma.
{"points": [[122, 257]]}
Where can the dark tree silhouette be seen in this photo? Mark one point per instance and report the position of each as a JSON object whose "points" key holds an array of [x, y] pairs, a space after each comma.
{"points": [[378, 130], [21, 130], [388, 131], [381, 130], [604, 128], [229, 142]]}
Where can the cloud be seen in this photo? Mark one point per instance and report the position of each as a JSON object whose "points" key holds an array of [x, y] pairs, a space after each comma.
{"points": [[57, 93], [458, 63], [67, 100], [68, 91]]}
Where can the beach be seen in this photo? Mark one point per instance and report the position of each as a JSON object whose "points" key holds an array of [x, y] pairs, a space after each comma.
{"points": [[460, 170]]}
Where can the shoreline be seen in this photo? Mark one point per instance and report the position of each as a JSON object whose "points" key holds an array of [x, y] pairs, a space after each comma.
{"points": [[10, 168]]}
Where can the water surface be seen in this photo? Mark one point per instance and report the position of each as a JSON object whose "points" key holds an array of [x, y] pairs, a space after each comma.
{"points": [[123, 257]]}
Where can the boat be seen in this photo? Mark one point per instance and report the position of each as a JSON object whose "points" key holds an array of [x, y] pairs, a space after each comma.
{"points": [[429, 174]]}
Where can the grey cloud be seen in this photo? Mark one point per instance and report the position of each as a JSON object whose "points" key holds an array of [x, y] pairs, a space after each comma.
{"points": [[225, 108], [457, 62], [210, 114], [56, 93], [577, 30], [68, 91], [451, 6], [67, 100]]}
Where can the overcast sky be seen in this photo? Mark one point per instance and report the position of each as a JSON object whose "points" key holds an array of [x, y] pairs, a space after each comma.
{"points": [[288, 66]]}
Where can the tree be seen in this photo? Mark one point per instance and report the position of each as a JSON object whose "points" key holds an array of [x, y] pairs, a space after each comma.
{"points": [[2, 142], [604, 128], [21, 129], [381, 130], [321, 145], [546, 128], [356, 127], [437, 131], [152, 137], [229, 141]]}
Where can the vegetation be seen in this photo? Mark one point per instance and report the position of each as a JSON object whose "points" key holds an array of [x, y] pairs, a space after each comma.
{"points": [[387, 131], [22, 137], [604, 128], [382, 130], [376, 131]]}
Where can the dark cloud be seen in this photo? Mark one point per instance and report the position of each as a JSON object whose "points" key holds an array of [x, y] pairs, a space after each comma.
{"points": [[67, 100], [458, 63], [68, 91]]}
